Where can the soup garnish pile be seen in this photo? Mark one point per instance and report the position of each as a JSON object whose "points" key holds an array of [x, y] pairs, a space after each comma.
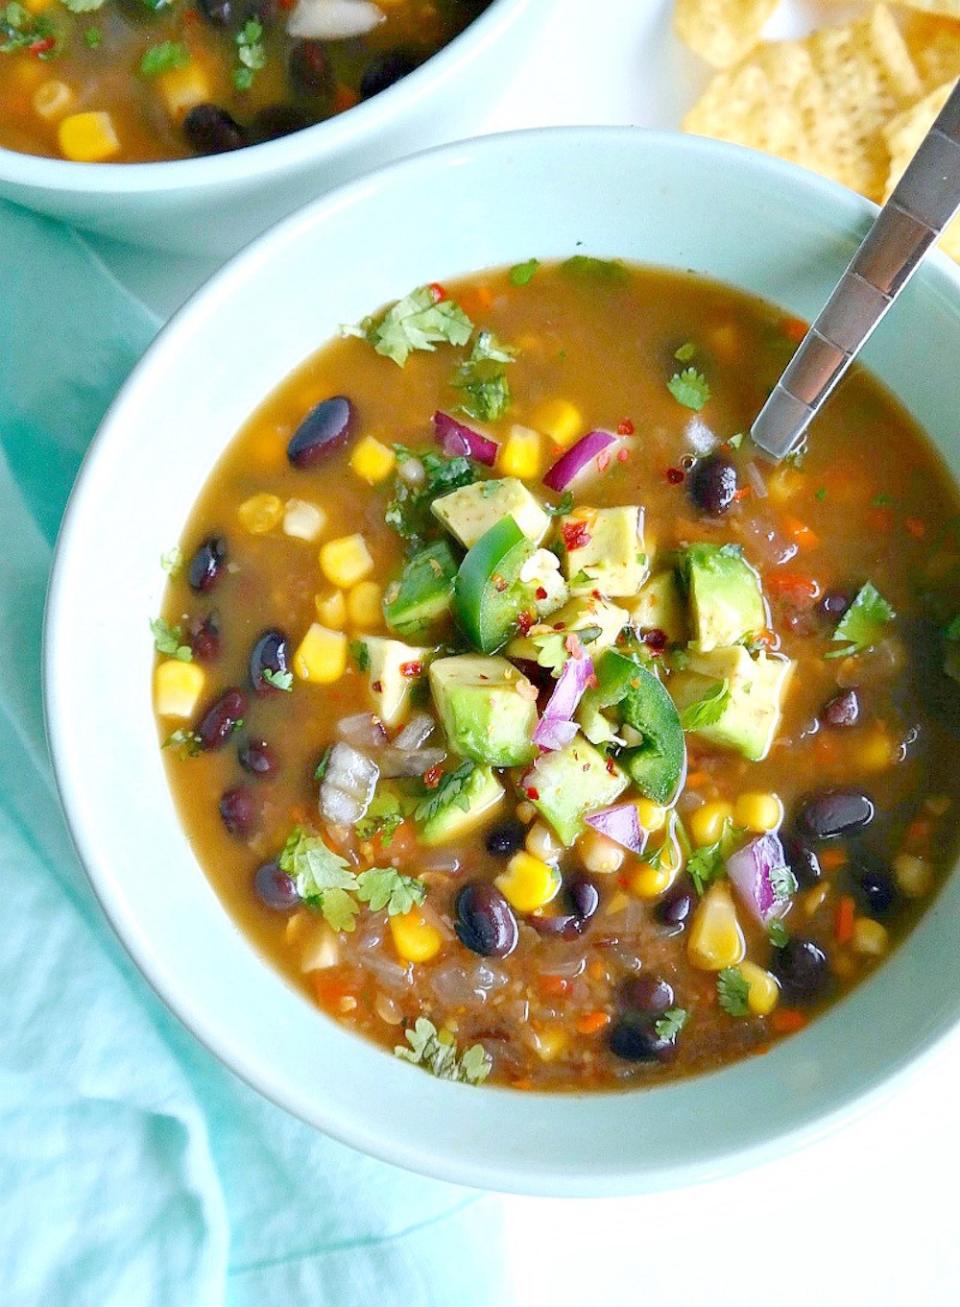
{"points": [[531, 724], [134, 81]]}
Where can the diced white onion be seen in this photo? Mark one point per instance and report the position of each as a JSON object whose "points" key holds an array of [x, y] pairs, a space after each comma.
{"points": [[334, 20], [302, 520]]}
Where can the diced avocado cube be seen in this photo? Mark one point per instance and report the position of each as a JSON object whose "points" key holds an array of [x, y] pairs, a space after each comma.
{"points": [[597, 622], [481, 793], [659, 607], [487, 707], [603, 550], [470, 512], [393, 668], [421, 595], [569, 783], [757, 686], [726, 602]]}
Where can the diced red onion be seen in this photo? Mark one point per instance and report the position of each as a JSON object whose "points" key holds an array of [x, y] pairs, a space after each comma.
{"points": [[417, 730], [621, 824], [755, 477], [576, 458], [552, 733], [751, 869], [556, 727], [458, 441]]}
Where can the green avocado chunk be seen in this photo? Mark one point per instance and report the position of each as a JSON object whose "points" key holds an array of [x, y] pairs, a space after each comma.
{"points": [[756, 685], [481, 793], [568, 783], [726, 602], [422, 594], [656, 765], [487, 707]]}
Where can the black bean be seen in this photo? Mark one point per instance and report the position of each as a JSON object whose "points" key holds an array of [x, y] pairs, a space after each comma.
{"points": [[505, 839], [239, 811], [802, 861], [876, 889], [713, 484], [309, 68], [221, 719], [583, 897], [275, 888], [278, 120], [647, 993], [485, 921], [562, 926], [842, 710], [802, 969], [676, 907], [257, 758], [220, 13], [384, 70], [207, 565], [834, 812], [270, 653], [835, 603], [205, 637], [325, 428], [636, 1040], [211, 130]]}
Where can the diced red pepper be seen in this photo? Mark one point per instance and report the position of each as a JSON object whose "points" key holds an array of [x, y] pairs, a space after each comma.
{"points": [[576, 535], [431, 777], [674, 475], [411, 670], [437, 291], [625, 428]]}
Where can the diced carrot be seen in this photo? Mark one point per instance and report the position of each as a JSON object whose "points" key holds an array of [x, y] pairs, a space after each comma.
{"points": [[801, 535], [553, 986], [476, 300], [916, 527], [344, 98], [591, 1022], [525, 1083], [402, 844], [794, 329], [919, 831], [787, 1020], [843, 922], [797, 585], [697, 778], [831, 859]]}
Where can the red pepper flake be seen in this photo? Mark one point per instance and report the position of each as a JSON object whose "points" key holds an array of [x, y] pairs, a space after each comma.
{"points": [[541, 592], [532, 793], [622, 455], [916, 526], [603, 461], [674, 476], [499, 582], [575, 536], [655, 640], [431, 777], [377, 687], [559, 626], [525, 620], [611, 765], [625, 428], [438, 292], [43, 46], [411, 670], [743, 492]]}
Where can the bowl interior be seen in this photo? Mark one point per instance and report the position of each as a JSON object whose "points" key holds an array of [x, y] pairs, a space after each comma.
{"points": [[660, 199]]}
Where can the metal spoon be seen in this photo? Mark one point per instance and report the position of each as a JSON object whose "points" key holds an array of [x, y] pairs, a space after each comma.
{"points": [[926, 198]]}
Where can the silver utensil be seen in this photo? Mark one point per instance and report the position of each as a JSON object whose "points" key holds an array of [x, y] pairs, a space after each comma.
{"points": [[926, 198]]}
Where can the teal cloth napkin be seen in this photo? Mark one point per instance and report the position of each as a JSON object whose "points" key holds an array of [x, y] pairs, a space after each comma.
{"points": [[134, 1169]]}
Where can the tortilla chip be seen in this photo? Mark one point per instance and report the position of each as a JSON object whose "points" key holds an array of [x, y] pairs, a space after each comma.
{"points": [[821, 102], [722, 31], [934, 44], [903, 136]]}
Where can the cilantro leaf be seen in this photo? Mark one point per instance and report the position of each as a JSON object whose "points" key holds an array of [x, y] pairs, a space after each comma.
{"points": [[321, 768], [484, 384], [279, 680], [251, 54], [783, 883], [382, 818], [706, 865], [360, 655], [385, 887], [777, 933], [167, 639], [408, 512], [862, 624], [92, 37], [438, 1053], [163, 58], [583, 267], [671, 1023], [551, 650], [736, 441], [418, 321], [952, 630], [187, 743], [708, 709], [560, 509], [324, 880], [685, 353], [733, 992], [172, 561], [19, 29], [449, 791], [689, 388], [521, 274]]}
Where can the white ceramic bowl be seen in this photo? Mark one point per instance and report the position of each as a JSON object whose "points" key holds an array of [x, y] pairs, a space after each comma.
{"points": [[217, 204], [661, 199]]}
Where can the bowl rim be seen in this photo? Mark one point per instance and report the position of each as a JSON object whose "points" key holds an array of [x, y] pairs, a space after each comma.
{"points": [[259, 163], [351, 1127]]}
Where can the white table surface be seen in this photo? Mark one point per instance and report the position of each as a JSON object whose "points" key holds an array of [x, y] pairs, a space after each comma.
{"points": [[869, 1215]]}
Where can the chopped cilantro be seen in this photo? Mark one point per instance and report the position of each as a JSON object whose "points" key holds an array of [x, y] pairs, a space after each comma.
{"points": [[820, 493], [167, 640], [19, 30], [562, 508], [689, 388], [708, 709], [777, 932], [521, 274], [360, 655], [882, 501], [783, 883], [408, 512], [163, 58], [551, 650], [418, 321], [172, 561], [484, 383], [450, 791], [669, 843], [92, 37], [187, 743], [585, 268], [321, 768], [279, 680], [385, 887], [671, 1023], [324, 880], [952, 630], [251, 54], [686, 352], [382, 818], [736, 441], [733, 992], [438, 1053], [862, 624], [709, 863]]}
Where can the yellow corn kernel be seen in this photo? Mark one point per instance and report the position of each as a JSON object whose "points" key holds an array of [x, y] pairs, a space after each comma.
{"points": [[552, 1043], [541, 841], [600, 854], [365, 605], [707, 822], [763, 992], [618, 902], [184, 88], [372, 461], [346, 560], [814, 899], [88, 137], [869, 937], [914, 875], [528, 883], [649, 882], [414, 938], [52, 99], [331, 609], [177, 688], [758, 812], [322, 656], [652, 816], [37, 6], [716, 940], [875, 752], [784, 483], [526, 812], [558, 419], [302, 520], [260, 514], [520, 454]]}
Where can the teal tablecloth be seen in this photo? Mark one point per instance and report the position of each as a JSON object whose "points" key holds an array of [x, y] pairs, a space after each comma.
{"points": [[134, 1169]]}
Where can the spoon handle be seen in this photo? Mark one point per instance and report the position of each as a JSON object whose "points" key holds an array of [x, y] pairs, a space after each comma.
{"points": [[926, 198]]}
